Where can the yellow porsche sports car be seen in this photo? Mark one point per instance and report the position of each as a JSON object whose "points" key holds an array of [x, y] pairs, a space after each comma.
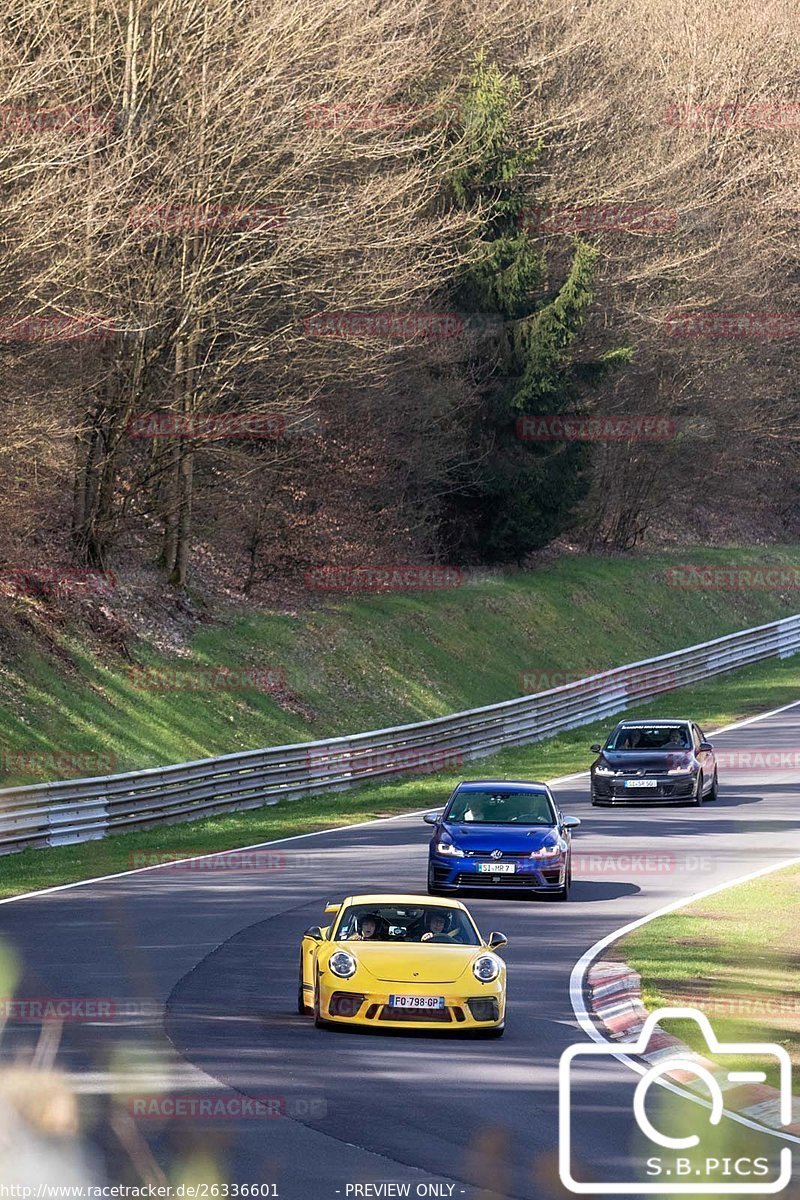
{"points": [[388, 961]]}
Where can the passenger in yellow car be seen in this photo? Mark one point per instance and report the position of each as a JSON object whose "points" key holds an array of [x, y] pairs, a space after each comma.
{"points": [[367, 930]]}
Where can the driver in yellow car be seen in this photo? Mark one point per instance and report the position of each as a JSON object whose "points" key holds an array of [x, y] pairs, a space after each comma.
{"points": [[436, 926]]}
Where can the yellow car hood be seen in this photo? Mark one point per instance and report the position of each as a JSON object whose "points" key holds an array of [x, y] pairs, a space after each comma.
{"points": [[412, 963]]}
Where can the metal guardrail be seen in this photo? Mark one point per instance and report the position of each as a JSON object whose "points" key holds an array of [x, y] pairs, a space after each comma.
{"points": [[78, 810]]}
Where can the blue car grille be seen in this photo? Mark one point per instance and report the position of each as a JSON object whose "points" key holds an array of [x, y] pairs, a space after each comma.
{"points": [[474, 880], [486, 855]]}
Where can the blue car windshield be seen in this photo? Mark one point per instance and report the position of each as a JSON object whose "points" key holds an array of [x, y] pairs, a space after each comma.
{"points": [[501, 808]]}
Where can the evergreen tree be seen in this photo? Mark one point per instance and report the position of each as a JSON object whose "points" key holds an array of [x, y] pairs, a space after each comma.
{"points": [[516, 495]]}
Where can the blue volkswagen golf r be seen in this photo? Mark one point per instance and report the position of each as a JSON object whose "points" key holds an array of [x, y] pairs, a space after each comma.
{"points": [[501, 834]]}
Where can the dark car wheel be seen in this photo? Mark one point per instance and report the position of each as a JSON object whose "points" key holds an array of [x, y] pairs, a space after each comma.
{"points": [[712, 795], [697, 798]]}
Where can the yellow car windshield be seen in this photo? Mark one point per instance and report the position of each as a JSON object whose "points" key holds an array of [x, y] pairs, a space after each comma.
{"points": [[406, 923]]}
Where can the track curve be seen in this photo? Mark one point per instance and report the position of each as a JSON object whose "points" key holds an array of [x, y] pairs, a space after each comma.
{"points": [[209, 963]]}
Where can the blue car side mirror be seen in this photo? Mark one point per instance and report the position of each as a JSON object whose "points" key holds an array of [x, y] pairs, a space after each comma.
{"points": [[432, 818]]}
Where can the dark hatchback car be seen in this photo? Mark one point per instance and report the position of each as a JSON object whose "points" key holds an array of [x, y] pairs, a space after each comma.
{"points": [[501, 834], [669, 762]]}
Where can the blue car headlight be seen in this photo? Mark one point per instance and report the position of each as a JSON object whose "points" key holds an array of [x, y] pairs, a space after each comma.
{"points": [[546, 852], [449, 849]]}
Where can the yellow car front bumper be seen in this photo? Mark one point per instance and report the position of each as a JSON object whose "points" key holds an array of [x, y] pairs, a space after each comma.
{"points": [[482, 1007]]}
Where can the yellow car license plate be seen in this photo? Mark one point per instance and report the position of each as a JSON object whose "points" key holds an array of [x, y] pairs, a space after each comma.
{"points": [[416, 1001]]}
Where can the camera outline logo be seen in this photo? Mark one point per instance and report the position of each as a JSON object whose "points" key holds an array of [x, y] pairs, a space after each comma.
{"points": [[680, 1061]]}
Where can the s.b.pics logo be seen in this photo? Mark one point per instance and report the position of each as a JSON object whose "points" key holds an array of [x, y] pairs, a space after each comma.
{"points": [[678, 1143]]}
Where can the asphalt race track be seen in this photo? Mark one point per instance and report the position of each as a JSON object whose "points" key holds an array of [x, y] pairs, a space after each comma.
{"points": [[203, 966]]}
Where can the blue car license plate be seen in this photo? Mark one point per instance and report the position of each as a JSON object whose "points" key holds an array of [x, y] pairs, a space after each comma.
{"points": [[496, 868]]}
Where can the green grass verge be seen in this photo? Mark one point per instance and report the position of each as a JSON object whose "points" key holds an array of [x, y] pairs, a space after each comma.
{"points": [[720, 701], [358, 664], [734, 956]]}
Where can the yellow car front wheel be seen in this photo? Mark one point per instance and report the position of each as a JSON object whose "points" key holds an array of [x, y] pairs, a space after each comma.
{"points": [[318, 1021]]}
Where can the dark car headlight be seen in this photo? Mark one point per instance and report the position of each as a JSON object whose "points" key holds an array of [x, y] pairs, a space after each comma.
{"points": [[683, 769], [602, 768]]}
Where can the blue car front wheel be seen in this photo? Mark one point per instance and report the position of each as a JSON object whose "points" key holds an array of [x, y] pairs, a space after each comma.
{"points": [[432, 891], [563, 891]]}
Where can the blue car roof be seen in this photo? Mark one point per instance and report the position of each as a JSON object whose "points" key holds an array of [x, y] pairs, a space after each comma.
{"points": [[501, 785]]}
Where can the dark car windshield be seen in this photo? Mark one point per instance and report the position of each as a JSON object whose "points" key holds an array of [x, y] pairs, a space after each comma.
{"points": [[501, 808], [650, 737], [406, 923]]}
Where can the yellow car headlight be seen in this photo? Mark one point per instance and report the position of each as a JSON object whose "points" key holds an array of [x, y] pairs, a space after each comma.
{"points": [[342, 964], [486, 968]]}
